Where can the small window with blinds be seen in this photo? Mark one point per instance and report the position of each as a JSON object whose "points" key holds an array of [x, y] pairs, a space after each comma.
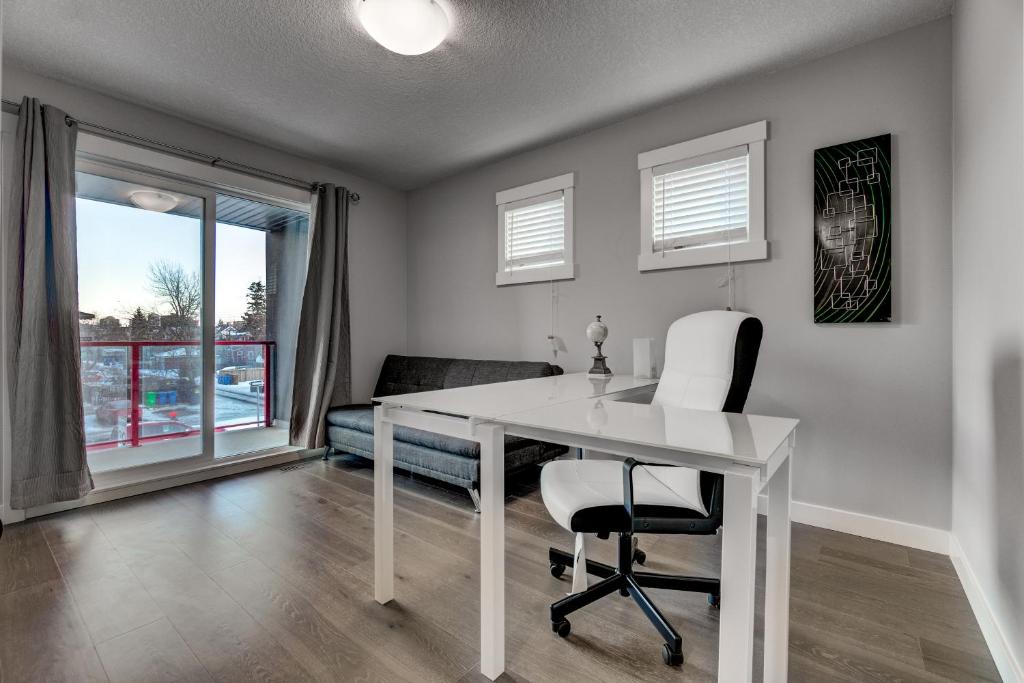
{"points": [[701, 203], [703, 200], [536, 232]]}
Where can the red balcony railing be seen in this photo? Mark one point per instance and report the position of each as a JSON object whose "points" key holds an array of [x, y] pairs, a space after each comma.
{"points": [[137, 399]]}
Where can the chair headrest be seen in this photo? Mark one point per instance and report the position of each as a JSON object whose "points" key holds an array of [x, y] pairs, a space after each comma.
{"points": [[709, 361]]}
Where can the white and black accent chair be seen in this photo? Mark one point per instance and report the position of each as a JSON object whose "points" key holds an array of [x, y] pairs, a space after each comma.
{"points": [[709, 364]]}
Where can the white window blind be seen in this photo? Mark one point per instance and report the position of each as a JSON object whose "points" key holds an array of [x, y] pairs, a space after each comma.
{"points": [[700, 203], [535, 232]]}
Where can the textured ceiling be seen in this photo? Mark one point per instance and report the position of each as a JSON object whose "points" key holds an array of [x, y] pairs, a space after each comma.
{"points": [[305, 77]]}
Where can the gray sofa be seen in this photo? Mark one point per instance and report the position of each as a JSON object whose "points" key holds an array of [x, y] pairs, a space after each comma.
{"points": [[449, 459]]}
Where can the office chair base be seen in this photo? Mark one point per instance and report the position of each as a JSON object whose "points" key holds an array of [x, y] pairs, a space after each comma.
{"points": [[672, 651], [562, 628], [624, 580], [562, 560]]}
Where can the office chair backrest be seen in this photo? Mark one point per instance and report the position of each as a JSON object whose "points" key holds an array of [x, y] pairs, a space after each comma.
{"points": [[709, 365], [709, 361]]}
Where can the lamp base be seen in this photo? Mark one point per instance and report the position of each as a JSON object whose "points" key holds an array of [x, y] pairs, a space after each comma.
{"points": [[600, 368]]}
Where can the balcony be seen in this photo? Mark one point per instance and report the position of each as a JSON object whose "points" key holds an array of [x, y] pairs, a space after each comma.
{"points": [[142, 393]]}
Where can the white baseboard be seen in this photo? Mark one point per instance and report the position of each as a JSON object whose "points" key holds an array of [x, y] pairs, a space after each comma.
{"points": [[1011, 669], [922, 538], [11, 516], [879, 528]]}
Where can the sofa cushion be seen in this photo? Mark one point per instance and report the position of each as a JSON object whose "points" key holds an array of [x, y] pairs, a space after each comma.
{"points": [[464, 373], [360, 418], [412, 374]]}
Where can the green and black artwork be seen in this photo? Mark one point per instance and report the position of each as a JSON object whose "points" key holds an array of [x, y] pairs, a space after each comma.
{"points": [[853, 232]]}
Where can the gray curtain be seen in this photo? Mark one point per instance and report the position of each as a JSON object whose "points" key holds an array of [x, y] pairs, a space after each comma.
{"points": [[323, 366], [48, 461]]}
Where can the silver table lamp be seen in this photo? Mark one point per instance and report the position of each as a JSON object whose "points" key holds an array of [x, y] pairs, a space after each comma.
{"points": [[597, 332]]}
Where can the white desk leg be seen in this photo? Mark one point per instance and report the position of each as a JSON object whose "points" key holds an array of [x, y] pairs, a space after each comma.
{"points": [[383, 508], [492, 550], [739, 551], [776, 599]]}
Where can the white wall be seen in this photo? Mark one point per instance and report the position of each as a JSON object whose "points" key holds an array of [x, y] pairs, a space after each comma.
{"points": [[376, 229], [874, 399], [988, 314]]}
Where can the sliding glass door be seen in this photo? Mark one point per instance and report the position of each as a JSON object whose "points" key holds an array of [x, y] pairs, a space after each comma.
{"points": [[188, 304], [141, 301], [260, 272]]}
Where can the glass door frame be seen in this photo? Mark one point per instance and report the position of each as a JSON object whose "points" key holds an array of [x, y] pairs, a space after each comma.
{"points": [[121, 160], [207, 315], [118, 158]]}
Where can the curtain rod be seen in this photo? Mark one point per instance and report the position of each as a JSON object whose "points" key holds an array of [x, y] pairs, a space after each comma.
{"points": [[185, 153]]}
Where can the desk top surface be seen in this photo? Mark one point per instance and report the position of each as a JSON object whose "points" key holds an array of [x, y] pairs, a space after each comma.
{"points": [[748, 439], [490, 401], [584, 406]]}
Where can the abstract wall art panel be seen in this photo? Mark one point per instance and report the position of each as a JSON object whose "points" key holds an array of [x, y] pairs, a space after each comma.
{"points": [[853, 232]]}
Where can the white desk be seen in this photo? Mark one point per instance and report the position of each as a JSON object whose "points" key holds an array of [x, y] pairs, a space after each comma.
{"points": [[753, 453]]}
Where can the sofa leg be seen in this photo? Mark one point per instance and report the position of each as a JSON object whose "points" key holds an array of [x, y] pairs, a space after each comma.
{"points": [[475, 495], [327, 452]]}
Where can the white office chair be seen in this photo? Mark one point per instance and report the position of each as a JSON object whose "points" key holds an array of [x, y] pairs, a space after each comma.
{"points": [[709, 364]]}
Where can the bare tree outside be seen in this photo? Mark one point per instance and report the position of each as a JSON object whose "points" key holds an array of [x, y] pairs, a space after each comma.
{"points": [[179, 289], [182, 292]]}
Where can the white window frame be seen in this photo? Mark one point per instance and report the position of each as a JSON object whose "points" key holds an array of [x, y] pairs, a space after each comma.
{"points": [[691, 153], [524, 195]]}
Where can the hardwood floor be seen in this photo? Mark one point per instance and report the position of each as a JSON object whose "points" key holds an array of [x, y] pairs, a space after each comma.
{"points": [[267, 576]]}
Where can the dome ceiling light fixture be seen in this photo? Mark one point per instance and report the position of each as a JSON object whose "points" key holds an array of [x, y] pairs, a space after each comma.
{"points": [[153, 201], [408, 27]]}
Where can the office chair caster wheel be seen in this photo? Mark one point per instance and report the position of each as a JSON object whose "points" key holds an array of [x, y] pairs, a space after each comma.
{"points": [[557, 570], [561, 628], [639, 557], [714, 601], [669, 657]]}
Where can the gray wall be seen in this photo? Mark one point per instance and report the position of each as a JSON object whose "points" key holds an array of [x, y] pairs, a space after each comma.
{"points": [[377, 241], [874, 399], [988, 318]]}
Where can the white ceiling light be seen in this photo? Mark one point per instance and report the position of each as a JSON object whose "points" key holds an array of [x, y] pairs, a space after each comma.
{"points": [[408, 27], [153, 201]]}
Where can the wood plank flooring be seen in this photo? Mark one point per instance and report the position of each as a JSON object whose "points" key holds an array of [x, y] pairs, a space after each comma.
{"points": [[267, 576]]}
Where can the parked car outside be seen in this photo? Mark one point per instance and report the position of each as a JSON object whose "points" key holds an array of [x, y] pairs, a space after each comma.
{"points": [[113, 412]]}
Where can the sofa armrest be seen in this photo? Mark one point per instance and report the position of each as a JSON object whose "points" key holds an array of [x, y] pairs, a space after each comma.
{"points": [[352, 405]]}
